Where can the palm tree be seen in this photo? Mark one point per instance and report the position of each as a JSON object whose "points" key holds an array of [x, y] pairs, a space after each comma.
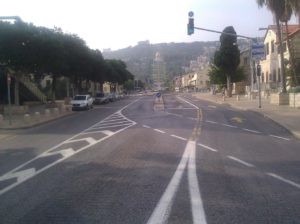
{"points": [[277, 8], [290, 6]]}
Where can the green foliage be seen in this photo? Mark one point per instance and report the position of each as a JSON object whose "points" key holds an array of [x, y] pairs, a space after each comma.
{"points": [[228, 57], [26, 48], [217, 76], [129, 85]]}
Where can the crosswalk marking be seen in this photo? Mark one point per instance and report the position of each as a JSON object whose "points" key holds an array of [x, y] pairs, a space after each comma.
{"points": [[118, 122], [64, 152], [20, 175]]}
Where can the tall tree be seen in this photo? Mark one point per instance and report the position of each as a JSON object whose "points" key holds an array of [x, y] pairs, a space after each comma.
{"points": [[277, 7], [290, 6], [228, 57]]}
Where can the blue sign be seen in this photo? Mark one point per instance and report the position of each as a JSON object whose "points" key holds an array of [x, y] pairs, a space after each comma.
{"points": [[258, 51], [158, 94]]}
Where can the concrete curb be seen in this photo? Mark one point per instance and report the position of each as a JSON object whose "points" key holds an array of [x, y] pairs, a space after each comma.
{"points": [[41, 122]]}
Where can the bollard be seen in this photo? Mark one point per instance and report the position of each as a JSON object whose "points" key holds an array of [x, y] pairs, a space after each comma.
{"points": [[47, 113], [55, 111], [27, 118], [238, 97], [37, 115], [63, 109]]}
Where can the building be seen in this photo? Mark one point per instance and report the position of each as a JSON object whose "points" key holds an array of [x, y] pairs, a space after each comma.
{"points": [[271, 76], [159, 73]]}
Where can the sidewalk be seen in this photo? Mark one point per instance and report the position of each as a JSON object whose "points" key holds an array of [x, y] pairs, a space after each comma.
{"points": [[37, 114], [286, 116]]}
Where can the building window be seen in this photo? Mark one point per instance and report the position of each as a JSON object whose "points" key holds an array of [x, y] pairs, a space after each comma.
{"points": [[272, 46], [267, 48], [274, 75]]}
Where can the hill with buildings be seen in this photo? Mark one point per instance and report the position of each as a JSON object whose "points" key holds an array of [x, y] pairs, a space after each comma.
{"points": [[177, 56]]}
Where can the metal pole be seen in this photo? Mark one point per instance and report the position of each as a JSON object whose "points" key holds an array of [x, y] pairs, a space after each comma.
{"points": [[8, 97], [258, 74], [259, 94]]}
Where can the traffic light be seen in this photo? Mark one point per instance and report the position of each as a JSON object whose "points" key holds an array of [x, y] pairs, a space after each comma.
{"points": [[190, 26], [258, 70]]}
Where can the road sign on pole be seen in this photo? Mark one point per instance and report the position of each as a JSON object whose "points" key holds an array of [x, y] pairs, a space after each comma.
{"points": [[257, 51]]}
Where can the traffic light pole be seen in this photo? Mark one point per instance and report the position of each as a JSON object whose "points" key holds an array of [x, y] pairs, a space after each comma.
{"points": [[229, 34]]}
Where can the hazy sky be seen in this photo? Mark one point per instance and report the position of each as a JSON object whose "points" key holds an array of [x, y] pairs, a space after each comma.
{"points": [[120, 23]]}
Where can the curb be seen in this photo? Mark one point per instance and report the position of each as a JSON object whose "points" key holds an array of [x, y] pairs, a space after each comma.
{"points": [[38, 123]]}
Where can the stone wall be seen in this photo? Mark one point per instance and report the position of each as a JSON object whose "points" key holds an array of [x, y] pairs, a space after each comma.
{"points": [[294, 100], [279, 99]]}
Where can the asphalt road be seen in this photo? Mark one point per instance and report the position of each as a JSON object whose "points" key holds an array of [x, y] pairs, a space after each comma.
{"points": [[126, 162]]}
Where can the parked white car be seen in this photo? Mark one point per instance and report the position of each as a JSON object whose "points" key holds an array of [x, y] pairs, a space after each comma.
{"points": [[82, 102]]}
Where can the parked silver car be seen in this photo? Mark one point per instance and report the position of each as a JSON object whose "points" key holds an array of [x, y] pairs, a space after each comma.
{"points": [[101, 98], [82, 102]]}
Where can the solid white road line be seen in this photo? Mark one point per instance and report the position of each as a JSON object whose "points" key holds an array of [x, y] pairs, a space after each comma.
{"points": [[275, 136], [162, 210], [183, 108], [187, 102], [160, 131], [178, 137], [230, 126], [195, 196], [146, 126], [284, 180], [253, 131], [207, 147], [240, 161], [213, 122]]}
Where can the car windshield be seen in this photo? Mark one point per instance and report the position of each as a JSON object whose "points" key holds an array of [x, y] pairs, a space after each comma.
{"points": [[79, 97], [150, 111]]}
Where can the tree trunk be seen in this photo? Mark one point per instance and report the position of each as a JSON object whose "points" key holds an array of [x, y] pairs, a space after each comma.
{"points": [[283, 78], [288, 43], [53, 89], [229, 90], [101, 87]]}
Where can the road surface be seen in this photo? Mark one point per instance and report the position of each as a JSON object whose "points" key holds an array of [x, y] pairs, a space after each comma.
{"points": [[127, 162]]}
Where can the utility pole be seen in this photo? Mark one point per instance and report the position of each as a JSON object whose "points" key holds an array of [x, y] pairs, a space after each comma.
{"points": [[258, 73]]}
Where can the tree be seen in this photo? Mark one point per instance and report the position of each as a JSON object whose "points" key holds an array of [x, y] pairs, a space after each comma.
{"points": [[227, 58], [277, 7]]}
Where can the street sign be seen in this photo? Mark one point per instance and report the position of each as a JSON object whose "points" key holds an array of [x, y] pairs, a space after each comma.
{"points": [[158, 94], [258, 51]]}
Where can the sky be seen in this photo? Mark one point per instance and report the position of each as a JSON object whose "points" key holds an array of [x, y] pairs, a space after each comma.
{"points": [[118, 24]]}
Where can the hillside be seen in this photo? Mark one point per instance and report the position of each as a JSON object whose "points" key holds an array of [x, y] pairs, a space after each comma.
{"points": [[176, 55]]}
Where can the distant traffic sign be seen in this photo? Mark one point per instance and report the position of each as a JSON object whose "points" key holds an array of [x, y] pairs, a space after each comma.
{"points": [[258, 51], [158, 94]]}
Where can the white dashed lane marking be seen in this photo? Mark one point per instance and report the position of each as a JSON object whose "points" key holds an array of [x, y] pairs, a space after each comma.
{"points": [[284, 180], [240, 161]]}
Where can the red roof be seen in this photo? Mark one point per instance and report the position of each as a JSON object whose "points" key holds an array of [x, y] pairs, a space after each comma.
{"points": [[292, 29]]}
